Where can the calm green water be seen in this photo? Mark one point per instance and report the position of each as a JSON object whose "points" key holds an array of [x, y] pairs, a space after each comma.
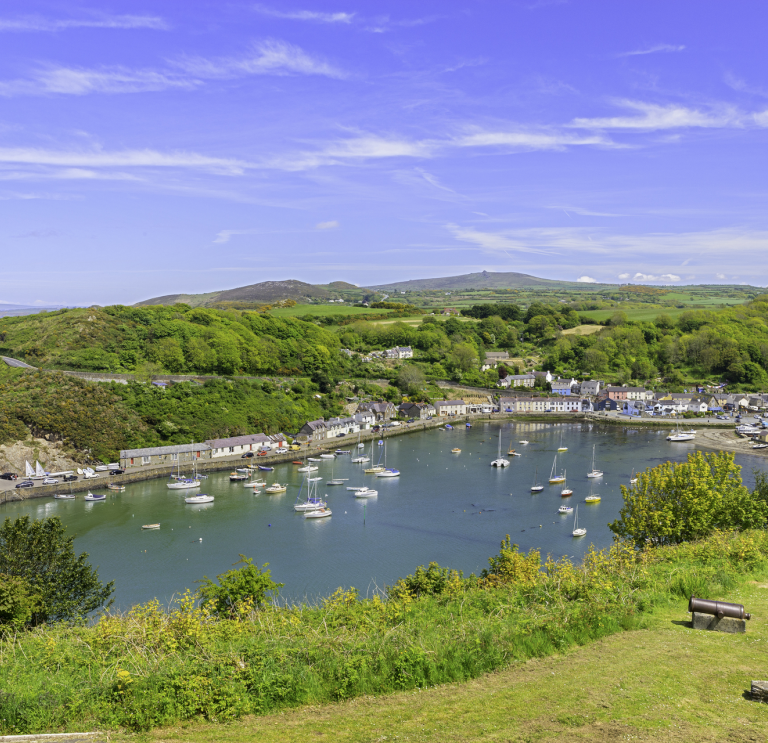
{"points": [[453, 509]]}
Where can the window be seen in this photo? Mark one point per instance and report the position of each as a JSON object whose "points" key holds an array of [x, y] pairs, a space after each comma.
{"points": [[174, 457], [146, 460]]}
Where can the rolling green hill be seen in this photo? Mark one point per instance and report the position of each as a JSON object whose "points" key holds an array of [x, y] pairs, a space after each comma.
{"points": [[486, 280]]}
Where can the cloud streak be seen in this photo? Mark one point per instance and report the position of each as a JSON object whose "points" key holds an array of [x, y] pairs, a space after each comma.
{"points": [[36, 23], [270, 57], [305, 15], [651, 116], [653, 50]]}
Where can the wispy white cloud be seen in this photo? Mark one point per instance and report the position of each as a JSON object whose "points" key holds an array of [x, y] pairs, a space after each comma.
{"points": [[40, 23], [665, 277], [271, 57], [332, 225], [586, 280], [495, 242], [653, 50], [651, 116], [529, 140], [97, 158], [623, 276], [305, 15], [583, 212]]}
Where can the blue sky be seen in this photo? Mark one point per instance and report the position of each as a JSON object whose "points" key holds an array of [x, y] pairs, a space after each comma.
{"points": [[160, 147]]}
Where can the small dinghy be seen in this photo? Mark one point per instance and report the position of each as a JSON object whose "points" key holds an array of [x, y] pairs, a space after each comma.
{"points": [[265, 469], [116, 488], [327, 456], [95, 496], [237, 477], [342, 451], [276, 488], [196, 499], [151, 526], [448, 427], [314, 459], [64, 496], [456, 451], [565, 509], [320, 513]]}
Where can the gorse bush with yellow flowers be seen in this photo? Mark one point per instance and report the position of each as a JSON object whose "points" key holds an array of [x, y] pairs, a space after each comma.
{"points": [[156, 665]]}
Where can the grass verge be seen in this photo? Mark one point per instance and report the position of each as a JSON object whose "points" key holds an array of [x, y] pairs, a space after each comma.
{"points": [[152, 668]]}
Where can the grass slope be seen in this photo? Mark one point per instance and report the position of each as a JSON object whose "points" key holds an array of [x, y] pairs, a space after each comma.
{"points": [[665, 682]]}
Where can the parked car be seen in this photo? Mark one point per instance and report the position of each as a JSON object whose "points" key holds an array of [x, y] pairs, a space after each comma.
{"points": [[70, 478], [247, 455], [25, 484], [50, 481], [262, 454], [115, 472], [340, 435], [410, 420], [9, 476], [282, 450]]}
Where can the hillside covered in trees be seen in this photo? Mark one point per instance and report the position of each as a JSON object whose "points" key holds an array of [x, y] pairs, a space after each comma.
{"points": [[177, 339]]}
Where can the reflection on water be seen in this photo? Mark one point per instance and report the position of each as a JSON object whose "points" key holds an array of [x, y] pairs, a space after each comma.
{"points": [[450, 508]]}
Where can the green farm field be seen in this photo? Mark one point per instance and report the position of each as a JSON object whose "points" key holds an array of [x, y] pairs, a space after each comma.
{"points": [[636, 314], [323, 310]]}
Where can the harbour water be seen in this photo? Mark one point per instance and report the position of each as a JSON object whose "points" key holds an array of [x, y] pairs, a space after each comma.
{"points": [[450, 508]]}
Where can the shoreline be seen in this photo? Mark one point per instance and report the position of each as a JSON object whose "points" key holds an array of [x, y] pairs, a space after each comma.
{"points": [[717, 436]]}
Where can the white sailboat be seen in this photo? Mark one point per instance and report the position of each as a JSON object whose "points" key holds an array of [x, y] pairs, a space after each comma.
{"points": [[362, 459], [378, 467], [594, 472], [360, 444], [29, 472], [388, 471], [311, 502], [633, 478], [537, 487], [500, 461], [681, 435], [554, 478], [577, 532], [336, 481]]}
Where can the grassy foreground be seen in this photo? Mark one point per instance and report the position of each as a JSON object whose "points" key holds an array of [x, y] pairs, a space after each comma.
{"points": [[151, 668], [664, 682]]}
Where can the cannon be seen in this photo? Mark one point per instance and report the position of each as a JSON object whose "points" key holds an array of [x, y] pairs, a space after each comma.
{"points": [[717, 615], [717, 609]]}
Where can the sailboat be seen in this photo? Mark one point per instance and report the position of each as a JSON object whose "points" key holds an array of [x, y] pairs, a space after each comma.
{"points": [[594, 472], [333, 481], [378, 467], [566, 492], [681, 435], [578, 532], [360, 444], [388, 471], [537, 487], [184, 483], [592, 498], [561, 447], [311, 502], [633, 479], [362, 459], [500, 461], [29, 472], [554, 478]]}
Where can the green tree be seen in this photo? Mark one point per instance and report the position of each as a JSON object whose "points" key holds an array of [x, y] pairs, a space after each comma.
{"points": [[410, 378], [235, 587], [17, 602], [66, 586], [678, 502]]}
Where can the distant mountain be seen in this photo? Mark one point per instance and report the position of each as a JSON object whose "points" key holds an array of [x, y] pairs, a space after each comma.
{"points": [[482, 280], [13, 310], [265, 292]]}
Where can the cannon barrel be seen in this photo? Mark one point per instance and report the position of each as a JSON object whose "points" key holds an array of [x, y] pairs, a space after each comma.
{"points": [[718, 609]]}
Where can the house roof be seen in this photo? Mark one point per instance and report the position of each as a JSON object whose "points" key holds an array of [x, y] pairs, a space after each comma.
{"points": [[254, 438], [160, 450], [316, 425], [497, 354], [625, 389], [443, 403]]}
